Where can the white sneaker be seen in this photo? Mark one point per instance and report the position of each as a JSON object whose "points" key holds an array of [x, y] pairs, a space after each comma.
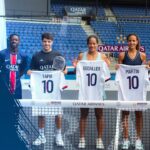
{"points": [[99, 143], [125, 144], [40, 140], [59, 140], [139, 145], [81, 143]]}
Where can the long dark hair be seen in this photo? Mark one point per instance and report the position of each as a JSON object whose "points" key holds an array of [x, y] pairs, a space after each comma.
{"points": [[138, 39]]}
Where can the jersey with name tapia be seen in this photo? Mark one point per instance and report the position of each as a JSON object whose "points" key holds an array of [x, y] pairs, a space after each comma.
{"points": [[47, 84]]}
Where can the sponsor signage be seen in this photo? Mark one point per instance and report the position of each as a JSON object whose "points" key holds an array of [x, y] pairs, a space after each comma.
{"points": [[80, 11], [116, 48]]}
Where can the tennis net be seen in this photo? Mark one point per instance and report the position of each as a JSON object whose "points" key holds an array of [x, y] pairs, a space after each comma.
{"points": [[70, 110]]}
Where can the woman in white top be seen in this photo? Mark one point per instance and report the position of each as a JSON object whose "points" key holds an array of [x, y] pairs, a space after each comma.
{"points": [[91, 54]]}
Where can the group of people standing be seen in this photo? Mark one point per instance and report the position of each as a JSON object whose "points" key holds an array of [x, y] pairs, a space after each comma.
{"points": [[13, 64]]}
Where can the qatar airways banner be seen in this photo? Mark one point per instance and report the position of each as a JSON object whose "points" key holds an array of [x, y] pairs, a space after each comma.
{"points": [[80, 11], [116, 48]]}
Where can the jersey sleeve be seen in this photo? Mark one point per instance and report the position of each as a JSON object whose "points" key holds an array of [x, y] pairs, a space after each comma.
{"points": [[117, 75], [117, 78], [118, 72], [78, 75], [146, 77], [106, 71]]}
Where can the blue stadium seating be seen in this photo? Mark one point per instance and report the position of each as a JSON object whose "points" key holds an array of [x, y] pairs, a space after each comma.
{"points": [[142, 30], [130, 10], [68, 39], [108, 31]]}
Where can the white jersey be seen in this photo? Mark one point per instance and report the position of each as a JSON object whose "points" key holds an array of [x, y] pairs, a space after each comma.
{"points": [[91, 76], [132, 82], [46, 85]]}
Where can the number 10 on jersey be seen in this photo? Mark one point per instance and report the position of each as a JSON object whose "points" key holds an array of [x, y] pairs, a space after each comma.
{"points": [[92, 79], [133, 82], [48, 86]]}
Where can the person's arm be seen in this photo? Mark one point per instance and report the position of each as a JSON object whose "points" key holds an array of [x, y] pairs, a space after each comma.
{"points": [[120, 59], [65, 71], [29, 72], [104, 57], [80, 56], [75, 61], [143, 57], [24, 65], [32, 65]]}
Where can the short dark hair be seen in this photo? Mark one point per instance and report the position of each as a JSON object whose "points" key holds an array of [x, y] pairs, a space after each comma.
{"points": [[92, 36], [47, 35], [138, 39], [14, 34]]}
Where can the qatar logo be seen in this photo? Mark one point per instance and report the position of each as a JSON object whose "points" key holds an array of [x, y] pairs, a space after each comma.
{"points": [[12, 67]]}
